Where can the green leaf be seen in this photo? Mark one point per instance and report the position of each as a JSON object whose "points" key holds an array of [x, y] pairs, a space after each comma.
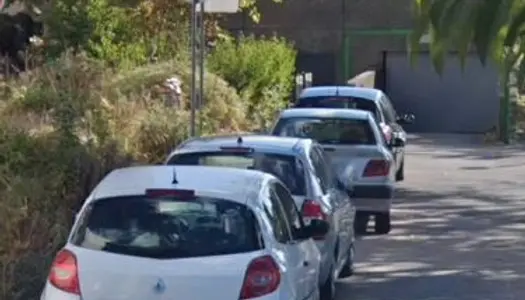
{"points": [[515, 27], [486, 27], [437, 51]]}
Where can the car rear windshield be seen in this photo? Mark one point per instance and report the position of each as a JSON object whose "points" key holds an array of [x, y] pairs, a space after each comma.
{"points": [[328, 130], [338, 102], [287, 168], [167, 228]]}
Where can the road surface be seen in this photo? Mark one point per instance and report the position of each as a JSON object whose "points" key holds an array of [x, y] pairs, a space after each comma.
{"points": [[459, 227]]}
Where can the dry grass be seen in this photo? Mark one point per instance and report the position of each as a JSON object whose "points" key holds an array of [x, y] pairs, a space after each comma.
{"points": [[62, 128]]}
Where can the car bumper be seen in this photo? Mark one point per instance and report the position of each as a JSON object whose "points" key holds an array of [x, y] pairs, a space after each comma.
{"points": [[52, 293], [372, 198]]}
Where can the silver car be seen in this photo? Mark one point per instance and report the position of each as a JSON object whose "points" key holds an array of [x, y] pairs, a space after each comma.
{"points": [[301, 164], [353, 140]]}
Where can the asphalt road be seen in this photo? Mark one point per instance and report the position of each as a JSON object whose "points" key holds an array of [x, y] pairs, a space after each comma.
{"points": [[459, 227]]}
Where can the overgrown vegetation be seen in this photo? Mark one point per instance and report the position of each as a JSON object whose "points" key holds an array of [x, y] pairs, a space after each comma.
{"points": [[97, 103], [263, 80]]}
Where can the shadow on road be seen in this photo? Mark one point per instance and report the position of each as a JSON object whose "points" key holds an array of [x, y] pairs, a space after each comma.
{"points": [[459, 244], [462, 146]]}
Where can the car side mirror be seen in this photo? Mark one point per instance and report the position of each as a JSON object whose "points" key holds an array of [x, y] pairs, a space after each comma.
{"points": [[397, 142], [345, 188], [316, 229], [340, 185], [406, 119]]}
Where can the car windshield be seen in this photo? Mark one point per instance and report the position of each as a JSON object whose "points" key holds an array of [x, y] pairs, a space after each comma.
{"points": [[328, 130], [167, 228], [338, 102], [286, 168]]}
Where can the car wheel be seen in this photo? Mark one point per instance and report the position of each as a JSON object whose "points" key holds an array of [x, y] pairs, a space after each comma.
{"points": [[348, 268], [328, 289], [382, 223], [400, 174], [361, 222]]}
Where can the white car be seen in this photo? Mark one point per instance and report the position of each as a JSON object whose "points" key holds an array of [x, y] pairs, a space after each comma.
{"points": [[372, 100], [301, 164], [188, 233], [352, 139]]}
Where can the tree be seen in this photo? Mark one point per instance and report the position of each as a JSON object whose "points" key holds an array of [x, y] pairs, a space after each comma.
{"points": [[490, 26], [495, 28]]}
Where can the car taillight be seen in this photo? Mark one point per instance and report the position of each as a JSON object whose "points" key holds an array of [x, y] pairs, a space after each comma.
{"points": [[262, 278], [377, 167], [313, 210], [64, 273]]}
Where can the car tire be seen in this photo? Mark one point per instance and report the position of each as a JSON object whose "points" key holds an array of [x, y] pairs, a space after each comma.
{"points": [[327, 291], [348, 268], [382, 223], [361, 222], [400, 174]]}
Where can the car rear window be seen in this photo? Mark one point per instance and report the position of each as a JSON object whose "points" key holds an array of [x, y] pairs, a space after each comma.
{"points": [[167, 228], [287, 168], [338, 102], [328, 130]]}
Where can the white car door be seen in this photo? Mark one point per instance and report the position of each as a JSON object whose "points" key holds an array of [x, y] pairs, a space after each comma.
{"points": [[304, 257]]}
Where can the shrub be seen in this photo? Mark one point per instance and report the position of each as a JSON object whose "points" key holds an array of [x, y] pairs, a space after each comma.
{"points": [[260, 69], [123, 35], [64, 126]]}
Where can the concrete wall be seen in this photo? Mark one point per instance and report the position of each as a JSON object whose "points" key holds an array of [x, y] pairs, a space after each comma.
{"points": [[315, 26]]}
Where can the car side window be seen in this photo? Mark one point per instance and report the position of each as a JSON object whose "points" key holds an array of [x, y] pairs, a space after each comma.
{"points": [[319, 170], [390, 113], [379, 136], [327, 172], [290, 210], [275, 213]]}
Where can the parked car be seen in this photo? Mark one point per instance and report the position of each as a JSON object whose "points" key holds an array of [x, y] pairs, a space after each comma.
{"points": [[199, 233], [369, 99], [301, 165], [352, 139]]}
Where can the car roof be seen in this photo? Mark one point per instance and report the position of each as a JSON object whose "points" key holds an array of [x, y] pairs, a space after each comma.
{"points": [[265, 143], [348, 91], [227, 183], [343, 113]]}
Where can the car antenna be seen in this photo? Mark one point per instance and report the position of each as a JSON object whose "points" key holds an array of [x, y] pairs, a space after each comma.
{"points": [[174, 179], [239, 140]]}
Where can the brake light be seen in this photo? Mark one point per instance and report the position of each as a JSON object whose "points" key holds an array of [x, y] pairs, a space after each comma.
{"points": [[237, 149], [179, 193], [377, 167], [313, 211], [64, 273], [262, 278]]}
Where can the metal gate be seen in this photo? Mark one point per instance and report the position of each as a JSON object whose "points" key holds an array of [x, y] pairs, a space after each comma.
{"points": [[458, 101]]}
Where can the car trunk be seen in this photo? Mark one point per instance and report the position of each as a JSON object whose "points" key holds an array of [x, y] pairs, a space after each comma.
{"points": [[107, 276], [355, 155]]}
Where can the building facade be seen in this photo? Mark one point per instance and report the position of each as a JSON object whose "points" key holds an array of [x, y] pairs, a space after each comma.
{"points": [[332, 34]]}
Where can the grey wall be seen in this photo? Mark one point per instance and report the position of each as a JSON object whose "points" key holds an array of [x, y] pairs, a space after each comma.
{"points": [[459, 101]]}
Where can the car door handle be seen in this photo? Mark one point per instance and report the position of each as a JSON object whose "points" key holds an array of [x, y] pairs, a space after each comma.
{"points": [[306, 263], [329, 149]]}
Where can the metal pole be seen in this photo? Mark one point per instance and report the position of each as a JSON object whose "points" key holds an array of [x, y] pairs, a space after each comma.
{"points": [[202, 48], [193, 66]]}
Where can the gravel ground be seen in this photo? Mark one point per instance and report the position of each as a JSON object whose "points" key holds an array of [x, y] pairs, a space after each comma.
{"points": [[459, 224]]}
